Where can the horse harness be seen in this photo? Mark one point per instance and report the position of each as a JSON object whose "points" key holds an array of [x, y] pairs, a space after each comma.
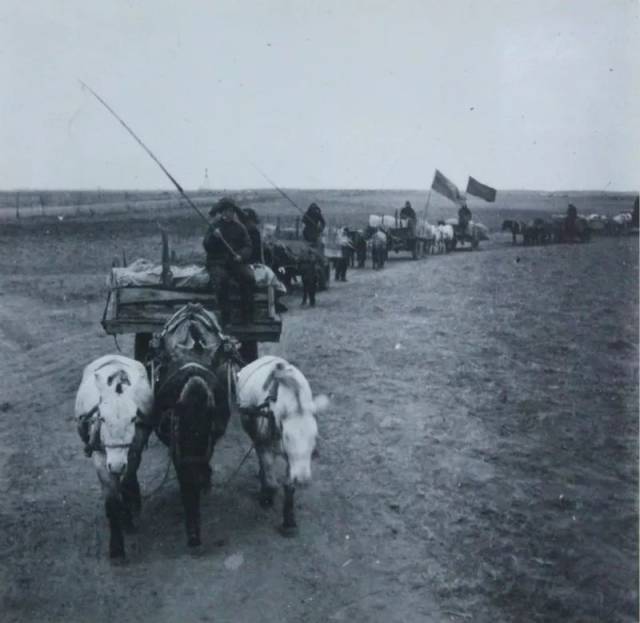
{"points": [[93, 442], [264, 410]]}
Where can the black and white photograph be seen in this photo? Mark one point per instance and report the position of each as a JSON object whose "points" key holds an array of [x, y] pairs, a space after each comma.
{"points": [[319, 311]]}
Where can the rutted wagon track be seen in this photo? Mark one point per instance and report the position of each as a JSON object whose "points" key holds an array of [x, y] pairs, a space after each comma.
{"points": [[480, 462]]}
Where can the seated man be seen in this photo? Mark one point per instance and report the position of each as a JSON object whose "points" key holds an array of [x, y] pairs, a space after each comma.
{"points": [[409, 213], [464, 216], [228, 248]]}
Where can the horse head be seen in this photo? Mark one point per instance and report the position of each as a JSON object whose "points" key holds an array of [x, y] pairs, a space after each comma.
{"points": [[296, 411], [113, 423]]}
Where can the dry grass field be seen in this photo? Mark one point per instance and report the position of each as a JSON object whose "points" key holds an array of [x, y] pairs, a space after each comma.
{"points": [[479, 462]]}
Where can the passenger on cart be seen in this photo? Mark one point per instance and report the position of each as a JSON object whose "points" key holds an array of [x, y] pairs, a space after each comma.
{"points": [[313, 225], [409, 214], [251, 222]]}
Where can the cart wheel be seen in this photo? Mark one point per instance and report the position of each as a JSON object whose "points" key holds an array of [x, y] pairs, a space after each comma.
{"points": [[141, 346]]}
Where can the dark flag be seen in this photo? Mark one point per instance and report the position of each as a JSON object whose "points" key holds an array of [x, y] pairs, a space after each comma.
{"points": [[446, 187], [474, 187]]}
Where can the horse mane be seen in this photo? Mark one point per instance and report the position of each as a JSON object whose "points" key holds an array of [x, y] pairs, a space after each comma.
{"points": [[195, 393]]}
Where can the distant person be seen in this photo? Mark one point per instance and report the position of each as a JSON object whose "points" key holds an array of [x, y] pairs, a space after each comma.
{"points": [[346, 248], [313, 225], [229, 250], [408, 212], [571, 224], [251, 222], [634, 215], [464, 217]]}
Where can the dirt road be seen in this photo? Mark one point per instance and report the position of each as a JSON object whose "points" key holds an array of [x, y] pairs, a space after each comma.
{"points": [[479, 462]]}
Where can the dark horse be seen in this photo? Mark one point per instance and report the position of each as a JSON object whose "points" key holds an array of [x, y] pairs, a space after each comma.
{"points": [[193, 362], [515, 227]]}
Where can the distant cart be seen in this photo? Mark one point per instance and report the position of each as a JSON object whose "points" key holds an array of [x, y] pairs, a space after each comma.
{"points": [[288, 257], [402, 235], [469, 236]]}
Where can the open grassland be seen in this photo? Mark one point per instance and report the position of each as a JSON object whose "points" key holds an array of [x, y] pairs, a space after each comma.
{"points": [[340, 207]]}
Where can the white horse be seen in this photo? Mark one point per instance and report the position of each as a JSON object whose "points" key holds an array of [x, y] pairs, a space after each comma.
{"points": [[278, 413], [113, 406], [446, 231]]}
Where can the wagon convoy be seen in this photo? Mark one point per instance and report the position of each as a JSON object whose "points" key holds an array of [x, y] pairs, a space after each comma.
{"points": [[191, 373], [196, 356], [570, 228]]}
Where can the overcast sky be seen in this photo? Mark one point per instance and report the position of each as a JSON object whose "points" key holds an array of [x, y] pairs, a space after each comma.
{"points": [[352, 93]]}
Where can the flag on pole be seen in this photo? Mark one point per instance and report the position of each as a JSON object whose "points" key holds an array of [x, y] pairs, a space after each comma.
{"points": [[446, 187], [474, 187]]}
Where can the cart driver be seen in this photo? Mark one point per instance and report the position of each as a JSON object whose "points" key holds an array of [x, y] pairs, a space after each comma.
{"points": [[464, 216], [228, 248], [407, 212]]}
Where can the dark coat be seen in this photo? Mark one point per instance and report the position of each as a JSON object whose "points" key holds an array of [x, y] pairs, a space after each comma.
{"points": [[256, 245], [313, 225], [236, 237], [408, 212]]}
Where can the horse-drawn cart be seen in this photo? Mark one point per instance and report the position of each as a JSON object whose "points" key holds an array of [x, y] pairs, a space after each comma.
{"points": [[143, 310], [143, 296], [290, 258], [402, 234], [468, 236]]}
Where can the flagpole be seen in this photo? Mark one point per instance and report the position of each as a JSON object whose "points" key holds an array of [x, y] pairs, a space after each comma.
{"points": [[426, 206]]}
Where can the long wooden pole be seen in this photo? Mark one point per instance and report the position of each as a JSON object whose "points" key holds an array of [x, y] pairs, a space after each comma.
{"points": [[155, 159]]}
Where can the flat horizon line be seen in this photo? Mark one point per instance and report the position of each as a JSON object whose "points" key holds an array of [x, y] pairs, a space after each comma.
{"points": [[301, 189]]}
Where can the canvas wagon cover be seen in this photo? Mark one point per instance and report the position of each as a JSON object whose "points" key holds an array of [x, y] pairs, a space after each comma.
{"points": [[142, 272]]}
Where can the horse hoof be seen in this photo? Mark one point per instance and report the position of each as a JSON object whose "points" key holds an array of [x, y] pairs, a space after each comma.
{"points": [[193, 541], [288, 531], [116, 554]]}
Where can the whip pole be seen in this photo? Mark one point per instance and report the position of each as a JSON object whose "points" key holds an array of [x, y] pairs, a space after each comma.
{"points": [[284, 194], [137, 139], [155, 159]]}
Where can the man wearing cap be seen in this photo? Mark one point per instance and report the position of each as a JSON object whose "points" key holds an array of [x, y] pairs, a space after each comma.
{"points": [[228, 248]]}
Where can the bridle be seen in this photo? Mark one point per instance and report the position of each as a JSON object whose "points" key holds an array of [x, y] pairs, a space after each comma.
{"points": [[94, 420], [264, 410]]}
